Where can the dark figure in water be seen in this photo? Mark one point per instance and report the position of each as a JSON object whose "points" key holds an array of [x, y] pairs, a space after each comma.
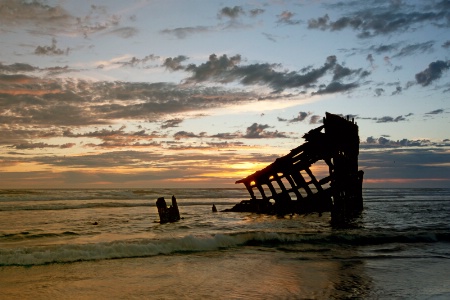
{"points": [[214, 209]]}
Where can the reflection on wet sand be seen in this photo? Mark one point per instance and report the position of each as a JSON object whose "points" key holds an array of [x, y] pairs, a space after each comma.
{"points": [[352, 281], [245, 274]]}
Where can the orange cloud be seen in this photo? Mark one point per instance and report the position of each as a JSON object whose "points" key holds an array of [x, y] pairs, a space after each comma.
{"points": [[16, 92], [402, 180]]}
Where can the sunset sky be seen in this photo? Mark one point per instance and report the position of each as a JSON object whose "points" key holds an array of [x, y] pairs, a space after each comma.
{"points": [[201, 93]]}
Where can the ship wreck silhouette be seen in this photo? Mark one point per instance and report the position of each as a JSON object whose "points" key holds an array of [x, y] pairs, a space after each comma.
{"points": [[288, 186]]}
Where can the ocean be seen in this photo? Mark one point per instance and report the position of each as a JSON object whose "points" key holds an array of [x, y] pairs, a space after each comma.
{"points": [[108, 244]]}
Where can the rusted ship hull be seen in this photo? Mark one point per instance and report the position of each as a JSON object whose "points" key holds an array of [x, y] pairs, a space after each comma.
{"points": [[288, 185]]}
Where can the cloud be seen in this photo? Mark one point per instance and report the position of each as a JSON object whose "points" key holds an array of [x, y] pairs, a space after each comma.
{"points": [[124, 32], [12, 74], [286, 18], [379, 92], [231, 12], [184, 135], [413, 166], [388, 119], [435, 112], [433, 72], [225, 144], [316, 119], [53, 101], [387, 60], [384, 48], [53, 71], [446, 45], [380, 19], [183, 32], [335, 87], [233, 16], [217, 68], [5, 78], [257, 131], [397, 91], [418, 165], [150, 166], [110, 133], [112, 159], [54, 105], [415, 48], [41, 18], [270, 37], [319, 23], [43, 110], [133, 62], [171, 123], [35, 15], [112, 138], [174, 63], [301, 117], [51, 50], [383, 142], [230, 146], [226, 69], [14, 134], [256, 12], [98, 20], [32, 146], [400, 48], [226, 136], [370, 59], [340, 72], [17, 67]]}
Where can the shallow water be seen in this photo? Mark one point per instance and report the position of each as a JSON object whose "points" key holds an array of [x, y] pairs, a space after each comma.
{"points": [[51, 247]]}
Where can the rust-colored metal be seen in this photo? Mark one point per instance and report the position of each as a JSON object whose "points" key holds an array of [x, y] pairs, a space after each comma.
{"points": [[288, 185]]}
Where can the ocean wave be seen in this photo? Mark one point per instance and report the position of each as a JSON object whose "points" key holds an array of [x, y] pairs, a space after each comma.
{"points": [[63, 206], [71, 205], [27, 235], [70, 253], [119, 194], [114, 250]]}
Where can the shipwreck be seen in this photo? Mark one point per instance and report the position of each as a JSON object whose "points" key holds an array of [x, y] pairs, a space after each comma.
{"points": [[167, 213], [289, 186]]}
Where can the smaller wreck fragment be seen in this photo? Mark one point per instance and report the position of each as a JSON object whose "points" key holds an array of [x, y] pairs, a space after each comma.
{"points": [[167, 214], [288, 185]]}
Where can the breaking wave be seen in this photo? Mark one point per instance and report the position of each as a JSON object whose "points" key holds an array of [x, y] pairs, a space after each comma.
{"points": [[70, 253]]}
